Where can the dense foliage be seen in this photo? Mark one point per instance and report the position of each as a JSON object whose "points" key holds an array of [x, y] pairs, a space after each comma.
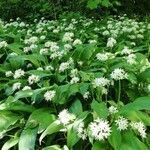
{"points": [[29, 9], [75, 83]]}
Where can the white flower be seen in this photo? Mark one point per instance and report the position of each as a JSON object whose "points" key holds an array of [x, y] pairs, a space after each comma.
{"points": [[122, 123], [49, 95], [63, 66], [26, 88], [56, 31], [81, 132], [54, 48], [48, 44], [74, 72], [118, 74], [65, 117], [112, 110], [86, 95], [80, 63], [100, 129], [67, 47], [100, 82], [18, 73], [33, 46], [131, 59], [102, 57], [104, 91], [126, 51], [56, 54], [75, 80], [33, 39], [92, 41], [29, 65], [16, 86], [8, 73], [13, 54], [148, 88], [42, 37], [26, 49], [140, 36], [33, 79], [49, 67], [3, 44], [106, 32], [68, 37], [111, 42], [77, 42], [40, 69], [43, 51], [140, 127]]}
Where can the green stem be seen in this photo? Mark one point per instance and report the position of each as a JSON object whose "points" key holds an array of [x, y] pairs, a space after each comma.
{"points": [[119, 91]]}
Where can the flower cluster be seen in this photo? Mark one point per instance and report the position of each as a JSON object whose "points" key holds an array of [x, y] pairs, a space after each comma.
{"points": [[119, 74], [100, 129], [65, 117]]}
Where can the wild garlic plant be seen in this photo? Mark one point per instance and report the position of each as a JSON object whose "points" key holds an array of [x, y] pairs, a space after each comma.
{"points": [[75, 83]]}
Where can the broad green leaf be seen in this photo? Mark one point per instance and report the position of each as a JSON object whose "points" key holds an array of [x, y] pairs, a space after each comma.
{"points": [[53, 147], [98, 146], [88, 52], [139, 116], [145, 75], [86, 76], [131, 142], [72, 137], [92, 4], [76, 107], [7, 119], [43, 119], [23, 94], [27, 138], [115, 138], [15, 47], [10, 104], [39, 73], [105, 3], [52, 128], [100, 109], [10, 143], [141, 103]]}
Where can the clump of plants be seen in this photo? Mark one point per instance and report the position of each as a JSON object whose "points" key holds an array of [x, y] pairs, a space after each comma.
{"points": [[75, 83]]}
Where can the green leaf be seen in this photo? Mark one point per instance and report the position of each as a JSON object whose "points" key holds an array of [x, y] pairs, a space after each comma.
{"points": [[10, 143], [53, 147], [92, 4], [131, 142], [43, 119], [88, 52], [23, 94], [10, 104], [39, 73], [28, 138], [76, 107], [115, 138], [52, 128], [86, 76], [15, 47], [139, 116], [105, 3], [72, 137], [100, 109], [7, 119], [98, 146], [141, 103], [145, 75]]}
